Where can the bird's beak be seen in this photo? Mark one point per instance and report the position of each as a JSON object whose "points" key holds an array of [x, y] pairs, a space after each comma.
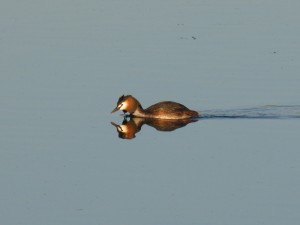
{"points": [[115, 109]]}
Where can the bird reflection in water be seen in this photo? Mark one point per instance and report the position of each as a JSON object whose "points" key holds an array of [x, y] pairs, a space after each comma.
{"points": [[132, 125]]}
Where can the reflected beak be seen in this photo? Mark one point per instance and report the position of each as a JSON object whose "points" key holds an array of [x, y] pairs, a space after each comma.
{"points": [[115, 109], [119, 128], [114, 124]]}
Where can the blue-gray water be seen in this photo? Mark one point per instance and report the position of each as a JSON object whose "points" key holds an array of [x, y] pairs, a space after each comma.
{"points": [[262, 112], [64, 64]]}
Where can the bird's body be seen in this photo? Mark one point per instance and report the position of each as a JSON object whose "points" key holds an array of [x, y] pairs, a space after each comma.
{"points": [[161, 110]]}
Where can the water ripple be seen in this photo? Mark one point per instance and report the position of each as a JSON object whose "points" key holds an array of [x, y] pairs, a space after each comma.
{"points": [[262, 112]]}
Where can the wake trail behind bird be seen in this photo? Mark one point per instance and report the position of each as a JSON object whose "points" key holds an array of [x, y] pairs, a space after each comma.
{"points": [[262, 112]]}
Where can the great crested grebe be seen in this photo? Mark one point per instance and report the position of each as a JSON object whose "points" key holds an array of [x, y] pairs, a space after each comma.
{"points": [[161, 110]]}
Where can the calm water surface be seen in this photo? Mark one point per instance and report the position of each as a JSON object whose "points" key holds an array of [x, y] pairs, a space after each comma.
{"points": [[64, 64]]}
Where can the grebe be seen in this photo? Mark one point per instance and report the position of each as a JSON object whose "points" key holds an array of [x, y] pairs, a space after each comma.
{"points": [[161, 110]]}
